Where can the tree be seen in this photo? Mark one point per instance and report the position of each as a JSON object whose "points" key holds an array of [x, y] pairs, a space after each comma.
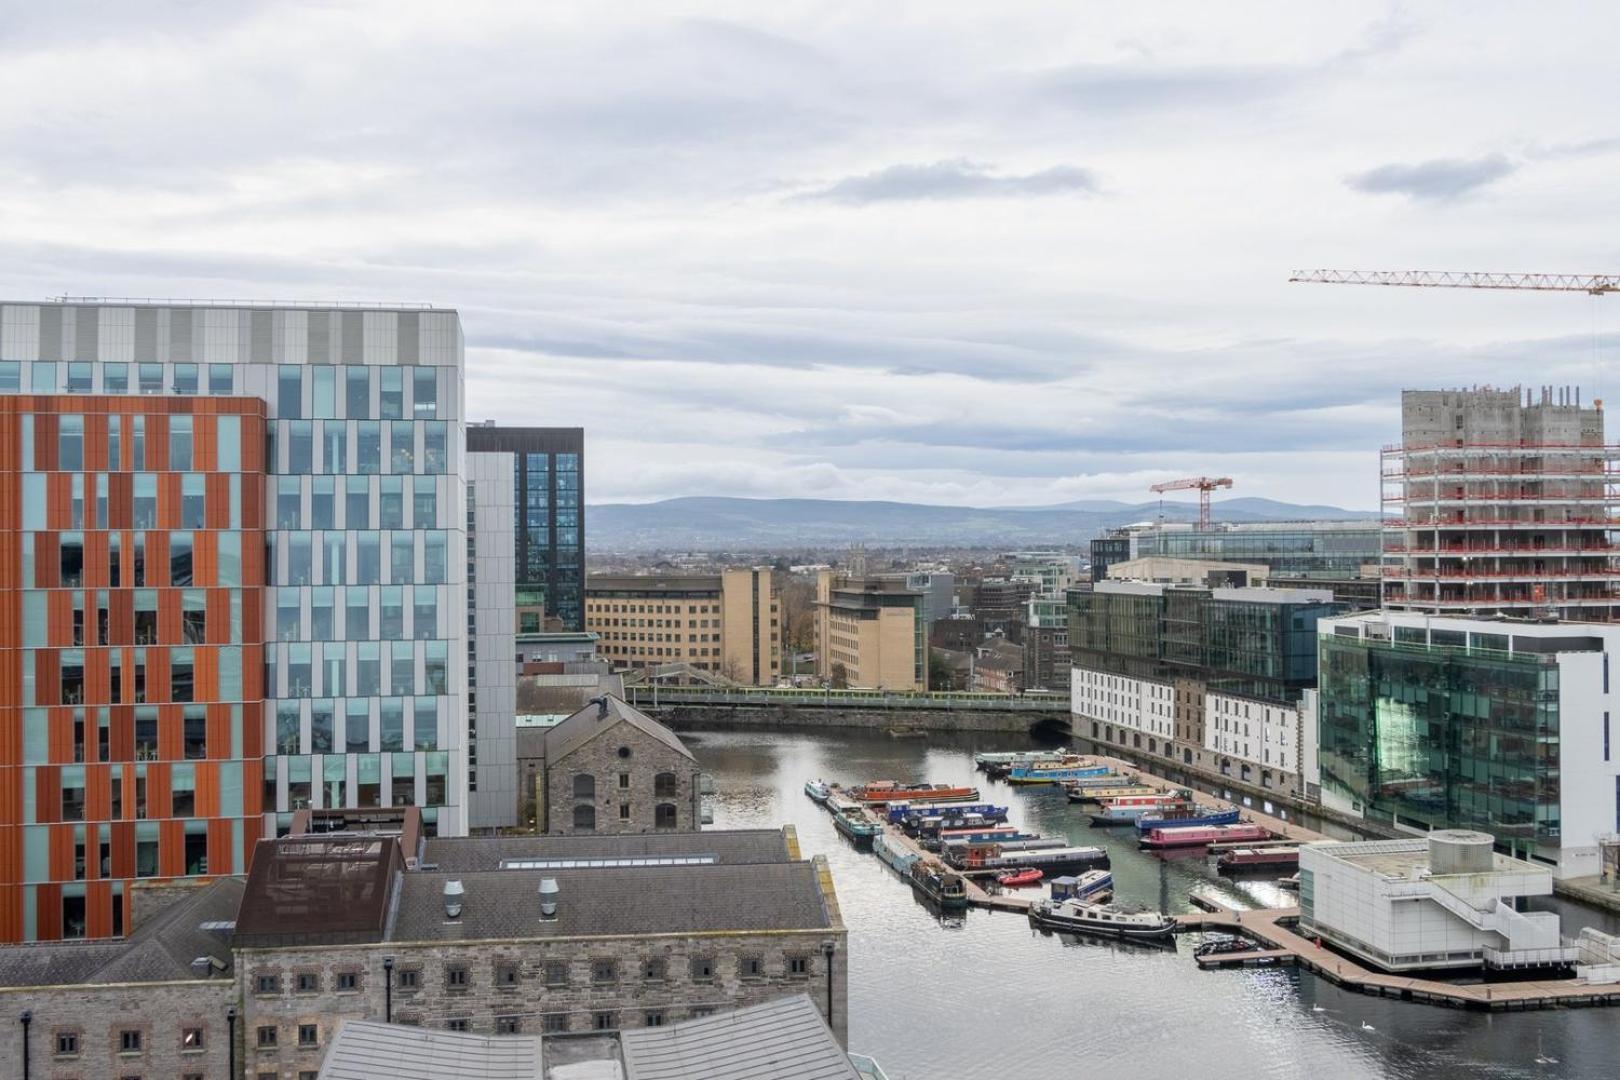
{"points": [[939, 671], [840, 676]]}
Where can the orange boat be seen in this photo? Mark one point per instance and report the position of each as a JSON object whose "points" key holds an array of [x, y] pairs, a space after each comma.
{"points": [[884, 792]]}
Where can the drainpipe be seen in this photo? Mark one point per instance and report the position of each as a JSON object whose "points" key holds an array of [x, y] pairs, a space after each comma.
{"points": [[827, 951], [26, 1018], [230, 1024], [388, 989]]}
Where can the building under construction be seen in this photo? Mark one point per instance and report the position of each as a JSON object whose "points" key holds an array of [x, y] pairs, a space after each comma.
{"points": [[1500, 502]]}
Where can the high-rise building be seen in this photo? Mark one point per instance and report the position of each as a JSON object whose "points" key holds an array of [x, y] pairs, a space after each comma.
{"points": [[549, 487], [240, 588], [1453, 723], [728, 623], [1500, 502], [872, 631]]}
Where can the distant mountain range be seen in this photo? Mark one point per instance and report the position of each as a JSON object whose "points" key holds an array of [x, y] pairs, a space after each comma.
{"points": [[717, 523]]}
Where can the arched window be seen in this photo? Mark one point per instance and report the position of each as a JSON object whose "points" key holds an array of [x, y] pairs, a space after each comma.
{"points": [[584, 817], [584, 786], [665, 816], [664, 785]]}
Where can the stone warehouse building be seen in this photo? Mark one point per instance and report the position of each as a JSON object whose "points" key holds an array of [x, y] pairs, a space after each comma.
{"points": [[610, 768], [628, 932]]}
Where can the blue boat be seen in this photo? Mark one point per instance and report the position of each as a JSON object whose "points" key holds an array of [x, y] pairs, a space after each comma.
{"points": [[1149, 822], [893, 853], [1090, 885], [900, 811], [1036, 774]]}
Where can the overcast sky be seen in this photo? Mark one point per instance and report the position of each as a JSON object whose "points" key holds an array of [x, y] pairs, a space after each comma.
{"points": [[986, 254]]}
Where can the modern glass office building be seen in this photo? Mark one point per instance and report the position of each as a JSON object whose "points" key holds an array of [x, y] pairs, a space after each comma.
{"points": [[269, 507], [1474, 724], [1319, 550], [549, 490]]}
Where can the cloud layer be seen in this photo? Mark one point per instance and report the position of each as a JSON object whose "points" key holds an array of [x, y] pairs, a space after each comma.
{"points": [[919, 251]]}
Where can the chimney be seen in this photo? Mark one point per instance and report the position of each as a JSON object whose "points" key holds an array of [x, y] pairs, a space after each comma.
{"points": [[453, 893], [601, 706], [548, 898]]}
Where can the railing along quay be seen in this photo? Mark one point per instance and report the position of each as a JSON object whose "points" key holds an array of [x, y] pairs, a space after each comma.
{"points": [[846, 699]]}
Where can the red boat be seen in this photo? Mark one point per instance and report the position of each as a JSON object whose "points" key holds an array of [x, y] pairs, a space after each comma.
{"points": [[1203, 836], [883, 792], [1020, 878]]}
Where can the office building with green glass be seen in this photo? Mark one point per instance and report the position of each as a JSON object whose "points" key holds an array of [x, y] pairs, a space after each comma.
{"points": [[1494, 725]]}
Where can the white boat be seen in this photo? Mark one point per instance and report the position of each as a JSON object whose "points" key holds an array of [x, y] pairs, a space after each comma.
{"points": [[890, 851], [817, 790], [1084, 917]]}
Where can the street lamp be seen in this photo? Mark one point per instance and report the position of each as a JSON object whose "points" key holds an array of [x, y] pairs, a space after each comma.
{"points": [[27, 1018], [388, 989], [230, 1039], [827, 949]]}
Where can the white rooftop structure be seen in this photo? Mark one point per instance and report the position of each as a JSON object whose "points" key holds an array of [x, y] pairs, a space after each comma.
{"points": [[1442, 901]]}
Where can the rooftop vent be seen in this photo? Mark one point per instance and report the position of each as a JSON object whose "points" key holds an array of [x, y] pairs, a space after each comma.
{"points": [[204, 966], [601, 704], [548, 898], [453, 893]]}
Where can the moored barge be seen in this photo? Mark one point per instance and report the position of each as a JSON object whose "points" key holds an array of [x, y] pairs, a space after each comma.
{"points": [[1204, 835], [944, 887], [1197, 819]]}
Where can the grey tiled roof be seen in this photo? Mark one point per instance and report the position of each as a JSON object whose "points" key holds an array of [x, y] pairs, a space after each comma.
{"points": [[162, 948], [587, 723], [627, 900], [368, 1050], [780, 1040], [464, 854]]}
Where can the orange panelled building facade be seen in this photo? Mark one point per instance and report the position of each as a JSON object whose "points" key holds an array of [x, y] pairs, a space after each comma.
{"points": [[131, 651]]}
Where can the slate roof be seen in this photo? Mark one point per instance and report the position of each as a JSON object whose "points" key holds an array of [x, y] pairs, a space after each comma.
{"points": [[368, 1050], [779, 1040], [465, 854], [160, 949], [588, 722], [624, 900]]}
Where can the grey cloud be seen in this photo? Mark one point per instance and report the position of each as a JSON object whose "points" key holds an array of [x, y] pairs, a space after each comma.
{"points": [[1440, 180], [954, 179]]}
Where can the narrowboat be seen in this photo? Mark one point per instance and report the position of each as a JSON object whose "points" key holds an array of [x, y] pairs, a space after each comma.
{"points": [[1148, 822], [898, 813], [1018, 879], [1238, 860], [942, 886], [860, 826], [1082, 794], [1017, 757], [994, 832], [817, 790], [1083, 917], [1093, 885], [967, 856], [884, 792], [1127, 808], [890, 851], [1204, 835], [1054, 774]]}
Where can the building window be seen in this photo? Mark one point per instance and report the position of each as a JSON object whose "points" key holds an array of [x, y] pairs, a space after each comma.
{"points": [[654, 969], [664, 785], [606, 1020], [554, 1023], [67, 1043], [624, 811], [584, 786], [458, 1024], [798, 965], [556, 973], [624, 781], [751, 967], [604, 971], [267, 984], [308, 982], [506, 974], [308, 1035], [508, 1025], [653, 1018], [664, 816], [584, 817], [408, 978], [702, 968], [455, 978], [191, 1038], [267, 1036], [348, 981]]}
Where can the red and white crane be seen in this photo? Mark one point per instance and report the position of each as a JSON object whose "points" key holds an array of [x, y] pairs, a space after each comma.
{"points": [[1204, 484]]}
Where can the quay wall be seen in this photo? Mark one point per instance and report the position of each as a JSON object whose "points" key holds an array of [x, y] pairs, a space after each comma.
{"points": [[683, 716]]}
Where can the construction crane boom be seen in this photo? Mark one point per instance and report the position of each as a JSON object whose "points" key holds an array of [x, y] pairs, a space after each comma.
{"points": [[1596, 284], [1204, 484]]}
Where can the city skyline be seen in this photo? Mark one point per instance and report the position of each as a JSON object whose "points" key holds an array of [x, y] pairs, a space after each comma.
{"points": [[964, 259]]}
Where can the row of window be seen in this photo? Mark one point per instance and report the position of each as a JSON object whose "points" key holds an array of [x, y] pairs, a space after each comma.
{"points": [[356, 446], [346, 726], [653, 609], [193, 733], [141, 628], [70, 443], [130, 1041], [334, 789], [72, 570], [326, 507], [79, 377], [132, 503], [333, 558], [344, 613], [182, 683]]}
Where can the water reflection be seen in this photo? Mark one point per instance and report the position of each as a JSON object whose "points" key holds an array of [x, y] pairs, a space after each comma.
{"points": [[983, 994]]}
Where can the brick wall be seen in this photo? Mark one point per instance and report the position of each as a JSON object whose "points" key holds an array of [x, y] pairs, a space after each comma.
{"points": [[96, 1016]]}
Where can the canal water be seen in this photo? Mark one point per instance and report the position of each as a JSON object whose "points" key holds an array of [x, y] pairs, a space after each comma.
{"points": [[985, 995]]}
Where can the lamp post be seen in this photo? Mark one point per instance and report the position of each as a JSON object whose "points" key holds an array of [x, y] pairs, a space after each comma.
{"points": [[27, 1018], [388, 989], [827, 948], [230, 1038]]}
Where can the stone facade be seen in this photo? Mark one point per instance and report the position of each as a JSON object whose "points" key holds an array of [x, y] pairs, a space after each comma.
{"points": [[530, 987], [622, 780], [181, 1027]]}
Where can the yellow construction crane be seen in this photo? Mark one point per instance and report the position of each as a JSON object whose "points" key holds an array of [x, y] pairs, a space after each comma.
{"points": [[1204, 484], [1596, 284]]}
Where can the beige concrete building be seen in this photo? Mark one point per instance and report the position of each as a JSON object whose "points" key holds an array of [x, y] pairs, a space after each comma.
{"points": [[1173, 571], [728, 623], [872, 630]]}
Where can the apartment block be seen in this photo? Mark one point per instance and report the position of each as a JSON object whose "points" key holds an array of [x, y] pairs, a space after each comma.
{"points": [[1500, 502], [871, 630], [728, 623]]}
